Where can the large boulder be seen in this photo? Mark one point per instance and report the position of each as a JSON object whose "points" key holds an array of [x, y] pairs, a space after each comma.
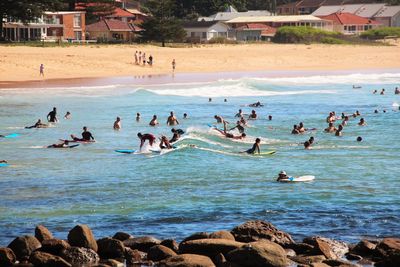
{"points": [[170, 243], [43, 259], [54, 246], [143, 243], [80, 256], [263, 253], [339, 263], [121, 236], [308, 260], [222, 235], [389, 250], [109, 248], [257, 230], [187, 260], [82, 236], [7, 257], [23, 246], [42, 233], [159, 253], [134, 256], [301, 248], [195, 236], [209, 247], [331, 249], [364, 248]]}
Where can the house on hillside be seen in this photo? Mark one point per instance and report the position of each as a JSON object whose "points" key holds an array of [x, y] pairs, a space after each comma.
{"points": [[231, 13], [107, 30], [348, 23], [201, 31], [51, 26], [254, 32]]}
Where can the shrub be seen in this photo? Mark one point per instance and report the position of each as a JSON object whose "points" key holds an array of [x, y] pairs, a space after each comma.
{"points": [[221, 40], [290, 34], [380, 33], [332, 40]]}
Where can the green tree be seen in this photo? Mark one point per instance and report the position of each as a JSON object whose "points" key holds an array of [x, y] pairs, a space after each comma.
{"points": [[95, 9], [162, 26], [24, 10]]}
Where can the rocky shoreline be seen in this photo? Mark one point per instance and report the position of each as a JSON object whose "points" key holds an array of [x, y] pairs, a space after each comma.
{"points": [[252, 244]]}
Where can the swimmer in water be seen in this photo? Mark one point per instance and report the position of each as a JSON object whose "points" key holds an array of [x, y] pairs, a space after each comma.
{"points": [[67, 115], [86, 136], [339, 131], [38, 124], [143, 137], [154, 121], [52, 116], [282, 176], [137, 117], [295, 129], [239, 127], [117, 124], [165, 143], [307, 145], [345, 121], [269, 117], [301, 128], [255, 147], [256, 105], [64, 144], [220, 119], [176, 134], [172, 120], [383, 91], [239, 114], [253, 115], [362, 122], [375, 92], [229, 135], [185, 116], [359, 139]]}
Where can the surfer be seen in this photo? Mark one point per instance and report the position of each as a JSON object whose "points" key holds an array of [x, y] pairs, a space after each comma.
{"points": [[52, 116], [339, 131], [331, 128], [301, 128], [154, 121], [256, 105], [295, 129], [86, 136], [165, 143], [38, 124], [397, 91], [67, 115], [143, 137], [117, 124], [3, 161], [185, 116], [282, 176], [255, 147], [362, 122], [375, 92], [383, 91], [177, 134], [253, 115], [239, 114], [229, 135], [243, 121], [239, 127], [220, 119], [64, 144], [269, 117], [307, 145], [172, 120]]}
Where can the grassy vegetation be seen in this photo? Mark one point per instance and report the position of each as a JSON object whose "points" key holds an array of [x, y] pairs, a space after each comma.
{"points": [[381, 33], [288, 34]]}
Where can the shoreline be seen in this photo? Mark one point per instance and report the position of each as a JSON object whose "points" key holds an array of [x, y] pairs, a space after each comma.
{"points": [[182, 78]]}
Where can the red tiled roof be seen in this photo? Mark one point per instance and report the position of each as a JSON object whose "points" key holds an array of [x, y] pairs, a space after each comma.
{"points": [[112, 25], [253, 26], [118, 25], [348, 18], [269, 31], [119, 12], [99, 26]]}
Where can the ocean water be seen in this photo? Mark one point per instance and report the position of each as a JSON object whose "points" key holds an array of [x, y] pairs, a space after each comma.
{"points": [[210, 187]]}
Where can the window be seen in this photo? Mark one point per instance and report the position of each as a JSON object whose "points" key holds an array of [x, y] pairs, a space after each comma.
{"points": [[78, 35], [77, 20], [192, 34], [204, 35]]}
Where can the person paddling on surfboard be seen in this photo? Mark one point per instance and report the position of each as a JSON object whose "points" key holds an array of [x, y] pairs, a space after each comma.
{"points": [[282, 176], [177, 134], [143, 137], [64, 144], [3, 161], [239, 127], [229, 135], [256, 147], [165, 143], [86, 136], [38, 124]]}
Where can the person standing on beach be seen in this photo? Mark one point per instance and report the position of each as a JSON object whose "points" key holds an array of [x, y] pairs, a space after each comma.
{"points": [[140, 57], [41, 70], [144, 59], [173, 65], [52, 116], [150, 62], [117, 124], [136, 57]]}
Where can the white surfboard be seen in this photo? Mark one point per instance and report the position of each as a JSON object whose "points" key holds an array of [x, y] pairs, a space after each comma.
{"points": [[306, 178]]}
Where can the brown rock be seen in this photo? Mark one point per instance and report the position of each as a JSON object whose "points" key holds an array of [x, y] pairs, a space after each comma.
{"points": [[23, 264], [209, 247], [111, 263], [389, 249], [80, 256], [263, 253], [301, 248], [353, 257], [220, 260], [256, 230], [42, 233], [195, 236], [319, 264], [134, 256], [159, 253], [339, 263], [7, 257], [23, 246], [290, 252], [82, 236], [187, 260], [109, 248], [331, 249], [222, 235], [364, 248], [170, 243], [43, 259], [143, 243], [121, 236], [54, 246], [305, 259]]}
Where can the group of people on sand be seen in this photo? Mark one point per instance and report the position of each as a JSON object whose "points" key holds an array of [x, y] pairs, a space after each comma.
{"points": [[141, 59]]}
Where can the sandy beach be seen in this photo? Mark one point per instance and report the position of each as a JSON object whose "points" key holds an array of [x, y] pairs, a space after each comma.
{"points": [[21, 63]]}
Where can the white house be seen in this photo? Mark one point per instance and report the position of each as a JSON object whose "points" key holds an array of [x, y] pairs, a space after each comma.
{"points": [[200, 31], [231, 13]]}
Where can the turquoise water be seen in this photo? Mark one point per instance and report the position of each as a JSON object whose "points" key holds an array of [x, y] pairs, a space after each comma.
{"points": [[212, 187]]}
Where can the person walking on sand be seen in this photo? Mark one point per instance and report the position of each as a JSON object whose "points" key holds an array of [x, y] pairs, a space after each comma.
{"points": [[144, 59], [173, 65], [140, 57], [41, 70], [136, 57], [117, 124], [150, 62]]}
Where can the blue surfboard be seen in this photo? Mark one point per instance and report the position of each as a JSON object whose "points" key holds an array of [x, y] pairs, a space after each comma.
{"points": [[125, 151], [4, 165], [14, 135]]}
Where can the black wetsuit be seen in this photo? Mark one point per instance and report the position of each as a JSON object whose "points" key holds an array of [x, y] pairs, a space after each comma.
{"points": [[252, 150], [52, 115], [86, 136], [175, 137]]}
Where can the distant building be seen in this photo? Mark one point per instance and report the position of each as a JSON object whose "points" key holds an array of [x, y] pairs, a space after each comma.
{"points": [[348, 23], [254, 32], [107, 30], [51, 26], [231, 13], [386, 15], [200, 31]]}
